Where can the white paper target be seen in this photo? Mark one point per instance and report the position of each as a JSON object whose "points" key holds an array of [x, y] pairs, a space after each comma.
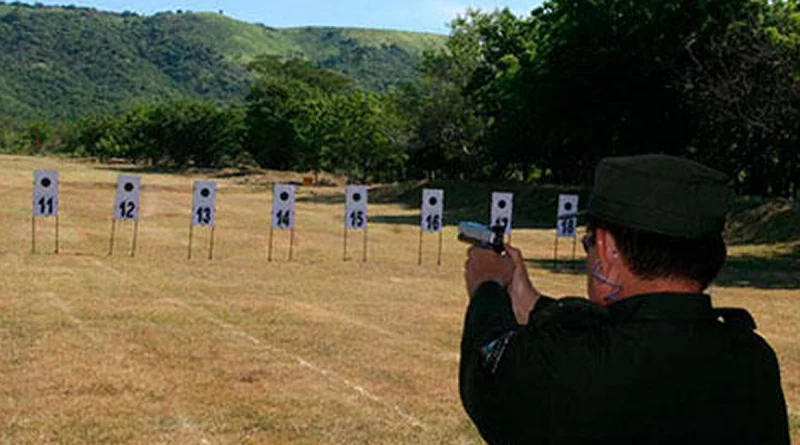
{"points": [[432, 210], [502, 210], [45, 193], [204, 204], [126, 205], [567, 221], [355, 215], [283, 206]]}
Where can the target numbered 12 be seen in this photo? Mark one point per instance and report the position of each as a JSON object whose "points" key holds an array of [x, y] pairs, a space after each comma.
{"points": [[126, 205], [283, 206], [204, 204], [567, 221], [45, 193], [432, 210], [355, 216], [502, 210]]}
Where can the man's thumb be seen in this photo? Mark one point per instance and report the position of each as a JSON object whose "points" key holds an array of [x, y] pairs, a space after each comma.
{"points": [[515, 255]]}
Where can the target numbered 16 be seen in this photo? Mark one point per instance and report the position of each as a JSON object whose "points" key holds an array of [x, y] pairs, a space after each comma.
{"points": [[502, 210], [204, 204], [126, 205], [283, 206], [432, 210], [567, 221], [45, 193], [355, 217]]}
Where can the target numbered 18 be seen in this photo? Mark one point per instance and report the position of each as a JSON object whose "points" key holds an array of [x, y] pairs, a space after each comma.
{"points": [[355, 216], [126, 205], [502, 210], [432, 210], [204, 204], [567, 221], [45, 193], [283, 206]]}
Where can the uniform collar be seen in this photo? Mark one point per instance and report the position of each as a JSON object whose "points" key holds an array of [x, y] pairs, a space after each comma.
{"points": [[663, 306]]}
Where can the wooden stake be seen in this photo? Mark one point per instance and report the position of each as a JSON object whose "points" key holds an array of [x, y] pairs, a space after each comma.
{"points": [[211, 244], [135, 236], [111, 238], [291, 243], [555, 253], [419, 251], [441, 241], [33, 234], [366, 241], [56, 234], [191, 232], [269, 249], [344, 256]]}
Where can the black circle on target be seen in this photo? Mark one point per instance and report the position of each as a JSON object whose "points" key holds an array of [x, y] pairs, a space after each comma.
{"points": [[46, 182], [356, 197], [205, 192], [433, 201], [284, 196], [502, 204], [128, 187], [568, 206]]}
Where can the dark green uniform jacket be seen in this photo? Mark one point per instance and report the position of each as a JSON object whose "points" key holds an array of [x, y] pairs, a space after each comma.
{"points": [[651, 369]]}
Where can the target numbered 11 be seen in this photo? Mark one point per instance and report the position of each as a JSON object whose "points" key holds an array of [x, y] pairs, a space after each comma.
{"points": [[355, 216], [432, 210], [126, 205], [45, 193], [283, 206], [502, 210], [567, 221], [204, 204]]}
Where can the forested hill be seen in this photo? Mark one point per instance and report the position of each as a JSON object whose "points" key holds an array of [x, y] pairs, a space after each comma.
{"points": [[65, 62]]}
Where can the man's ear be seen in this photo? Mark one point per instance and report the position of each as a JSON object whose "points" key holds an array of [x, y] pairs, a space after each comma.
{"points": [[606, 247]]}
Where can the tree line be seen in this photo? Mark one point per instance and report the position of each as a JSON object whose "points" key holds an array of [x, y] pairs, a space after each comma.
{"points": [[539, 98]]}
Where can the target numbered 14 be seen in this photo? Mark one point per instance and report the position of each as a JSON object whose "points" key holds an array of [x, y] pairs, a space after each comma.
{"points": [[126, 205], [204, 204], [355, 216], [502, 210], [567, 221], [283, 206], [45, 193], [432, 210]]}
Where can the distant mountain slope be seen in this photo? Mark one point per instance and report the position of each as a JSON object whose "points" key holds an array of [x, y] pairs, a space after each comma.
{"points": [[65, 62]]}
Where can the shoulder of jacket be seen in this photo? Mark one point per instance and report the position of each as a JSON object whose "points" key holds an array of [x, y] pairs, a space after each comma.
{"points": [[570, 312], [735, 317]]}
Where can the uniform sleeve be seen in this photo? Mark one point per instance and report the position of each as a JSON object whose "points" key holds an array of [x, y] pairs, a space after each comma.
{"points": [[495, 376]]}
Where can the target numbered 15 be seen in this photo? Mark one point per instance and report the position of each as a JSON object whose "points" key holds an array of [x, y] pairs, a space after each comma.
{"points": [[502, 210], [355, 216], [126, 205], [567, 221], [45, 193], [204, 204], [283, 206], [432, 210]]}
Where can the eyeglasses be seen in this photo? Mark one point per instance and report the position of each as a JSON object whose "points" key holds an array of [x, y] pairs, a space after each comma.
{"points": [[587, 241]]}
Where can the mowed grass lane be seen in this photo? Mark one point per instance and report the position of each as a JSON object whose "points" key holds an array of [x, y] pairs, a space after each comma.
{"points": [[159, 349]]}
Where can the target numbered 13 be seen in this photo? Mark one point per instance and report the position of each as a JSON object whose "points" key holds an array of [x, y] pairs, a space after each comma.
{"points": [[432, 210], [126, 205], [355, 216], [283, 206], [204, 204], [567, 221], [45, 193], [502, 210]]}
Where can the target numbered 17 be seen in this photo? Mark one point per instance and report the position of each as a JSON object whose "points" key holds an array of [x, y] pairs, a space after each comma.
{"points": [[355, 217], [45, 193], [126, 205], [204, 204], [432, 210], [283, 206], [567, 221], [502, 210]]}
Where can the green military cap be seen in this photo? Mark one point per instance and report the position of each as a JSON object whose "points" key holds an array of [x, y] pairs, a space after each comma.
{"points": [[659, 193]]}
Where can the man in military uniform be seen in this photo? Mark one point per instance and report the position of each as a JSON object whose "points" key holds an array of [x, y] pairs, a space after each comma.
{"points": [[646, 359]]}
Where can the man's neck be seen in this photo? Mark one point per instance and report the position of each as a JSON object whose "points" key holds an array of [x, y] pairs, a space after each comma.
{"points": [[635, 286]]}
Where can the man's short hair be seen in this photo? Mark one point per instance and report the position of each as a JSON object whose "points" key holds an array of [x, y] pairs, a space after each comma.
{"points": [[651, 255]]}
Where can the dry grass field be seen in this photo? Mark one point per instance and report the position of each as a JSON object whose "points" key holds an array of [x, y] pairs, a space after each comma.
{"points": [[158, 349]]}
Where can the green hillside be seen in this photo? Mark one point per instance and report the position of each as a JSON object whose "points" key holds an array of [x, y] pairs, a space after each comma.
{"points": [[66, 62]]}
